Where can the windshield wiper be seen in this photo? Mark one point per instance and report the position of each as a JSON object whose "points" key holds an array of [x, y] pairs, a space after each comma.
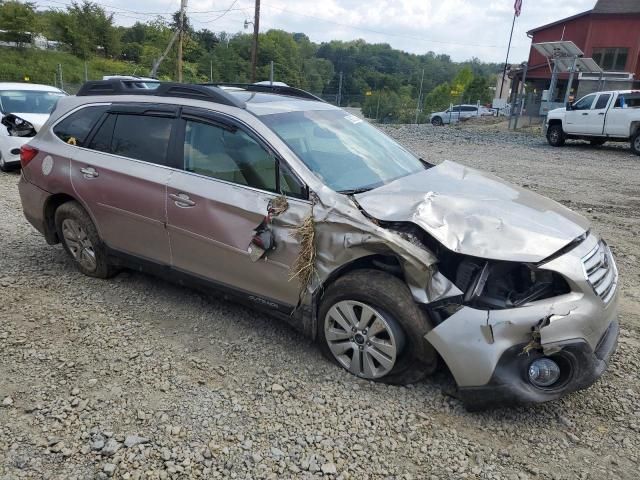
{"points": [[355, 191]]}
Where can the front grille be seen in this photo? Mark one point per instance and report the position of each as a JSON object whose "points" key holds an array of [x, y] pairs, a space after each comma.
{"points": [[601, 271]]}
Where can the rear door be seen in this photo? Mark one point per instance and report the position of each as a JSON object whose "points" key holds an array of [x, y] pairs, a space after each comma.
{"points": [[597, 115], [121, 175], [578, 118], [214, 205]]}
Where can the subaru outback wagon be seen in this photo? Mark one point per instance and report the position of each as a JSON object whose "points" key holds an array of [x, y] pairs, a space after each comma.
{"points": [[290, 204]]}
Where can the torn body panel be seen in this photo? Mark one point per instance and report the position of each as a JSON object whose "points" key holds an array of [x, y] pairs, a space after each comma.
{"points": [[343, 234]]}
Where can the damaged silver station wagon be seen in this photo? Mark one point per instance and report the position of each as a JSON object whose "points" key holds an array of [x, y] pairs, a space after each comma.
{"points": [[275, 197]]}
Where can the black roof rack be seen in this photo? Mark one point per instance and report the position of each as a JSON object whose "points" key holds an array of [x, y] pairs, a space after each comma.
{"points": [[264, 88], [119, 86]]}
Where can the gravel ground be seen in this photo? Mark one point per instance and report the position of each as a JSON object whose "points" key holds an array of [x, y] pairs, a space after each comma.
{"points": [[137, 378]]}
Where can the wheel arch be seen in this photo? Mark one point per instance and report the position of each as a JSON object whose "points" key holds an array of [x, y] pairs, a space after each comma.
{"points": [[383, 262], [555, 121], [50, 207]]}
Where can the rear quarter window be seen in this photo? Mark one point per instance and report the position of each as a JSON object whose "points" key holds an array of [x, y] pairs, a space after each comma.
{"points": [[75, 128]]}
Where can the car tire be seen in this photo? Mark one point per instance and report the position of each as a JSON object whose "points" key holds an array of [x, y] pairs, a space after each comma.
{"points": [[597, 142], [390, 346], [81, 241], [635, 142], [3, 166], [556, 136], [437, 122]]}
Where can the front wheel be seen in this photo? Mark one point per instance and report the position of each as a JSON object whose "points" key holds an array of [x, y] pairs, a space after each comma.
{"points": [[3, 166], [635, 143], [555, 136], [437, 121], [369, 324], [80, 239]]}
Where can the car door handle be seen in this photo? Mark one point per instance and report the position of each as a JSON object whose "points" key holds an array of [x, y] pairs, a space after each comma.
{"points": [[182, 200], [89, 172], [585, 113], [601, 113]]}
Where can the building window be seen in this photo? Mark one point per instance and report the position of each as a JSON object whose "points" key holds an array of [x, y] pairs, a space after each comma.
{"points": [[611, 59]]}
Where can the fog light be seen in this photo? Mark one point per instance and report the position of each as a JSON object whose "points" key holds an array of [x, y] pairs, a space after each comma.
{"points": [[544, 372]]}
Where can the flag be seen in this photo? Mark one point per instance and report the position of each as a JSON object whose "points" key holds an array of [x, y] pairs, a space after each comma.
{"points": [[518, 7]]}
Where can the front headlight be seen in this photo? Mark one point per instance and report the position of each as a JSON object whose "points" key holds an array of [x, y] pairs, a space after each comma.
{"points": [[18, 127]]}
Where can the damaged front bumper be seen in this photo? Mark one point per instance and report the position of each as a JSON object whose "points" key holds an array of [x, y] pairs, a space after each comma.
{"points": [[489, 351]]}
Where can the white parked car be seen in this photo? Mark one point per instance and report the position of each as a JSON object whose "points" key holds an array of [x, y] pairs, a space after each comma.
{"points": [[598, 117], [24, 108], [459, 112]]}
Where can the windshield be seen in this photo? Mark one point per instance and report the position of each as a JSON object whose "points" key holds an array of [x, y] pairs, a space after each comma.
{"points": [[346, 152], [28, 101]]}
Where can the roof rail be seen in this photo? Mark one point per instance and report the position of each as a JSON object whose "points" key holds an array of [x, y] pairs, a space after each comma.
{"points": [[263, 88], [119, 86]]}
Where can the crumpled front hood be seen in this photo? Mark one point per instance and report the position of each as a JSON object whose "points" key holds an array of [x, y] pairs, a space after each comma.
{"points": [[476, 213]]}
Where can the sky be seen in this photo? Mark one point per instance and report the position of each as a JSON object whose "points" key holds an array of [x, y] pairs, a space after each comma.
{"points": [[460, 28]]}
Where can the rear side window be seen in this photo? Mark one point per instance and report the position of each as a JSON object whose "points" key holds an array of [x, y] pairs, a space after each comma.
{"points": [[141, 137], [602, 101], [228, 154], [76, 127]]}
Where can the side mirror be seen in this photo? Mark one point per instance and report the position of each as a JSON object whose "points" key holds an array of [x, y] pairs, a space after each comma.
{"points": [[569, 105]]}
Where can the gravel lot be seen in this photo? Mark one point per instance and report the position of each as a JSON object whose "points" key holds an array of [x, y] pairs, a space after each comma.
{"points": [[138, 378]]}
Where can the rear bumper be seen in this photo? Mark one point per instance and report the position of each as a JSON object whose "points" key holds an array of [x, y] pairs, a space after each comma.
{"points": [[33, 201], [509, 384]]}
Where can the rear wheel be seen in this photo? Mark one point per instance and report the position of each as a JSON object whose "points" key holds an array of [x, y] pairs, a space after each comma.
{"points": [[556, 136], [597, 142], [437, 121], [369, 324], [635, 142], [80, 239]]}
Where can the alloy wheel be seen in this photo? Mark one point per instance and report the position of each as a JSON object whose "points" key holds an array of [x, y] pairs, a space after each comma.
{"points": [[636, 143], [362, 340], [79, 244]]}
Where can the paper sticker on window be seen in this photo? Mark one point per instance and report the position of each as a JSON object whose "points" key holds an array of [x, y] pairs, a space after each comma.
{"points": [[353, 119]]}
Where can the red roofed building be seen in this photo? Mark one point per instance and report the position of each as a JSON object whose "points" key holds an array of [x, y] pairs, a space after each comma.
{"points": [[609, 33]]}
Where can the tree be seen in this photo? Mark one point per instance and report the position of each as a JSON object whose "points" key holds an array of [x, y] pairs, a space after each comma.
{"points": [[478, 90], [86, 29], [18, 20]]}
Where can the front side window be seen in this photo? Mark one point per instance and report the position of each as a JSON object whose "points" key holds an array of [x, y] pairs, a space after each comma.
{"points": [[76, 127], [228, 154], [344, 151], [28, 101], [584, 103], [141, 137]]}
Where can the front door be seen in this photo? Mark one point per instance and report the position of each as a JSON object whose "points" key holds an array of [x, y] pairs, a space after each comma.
{"points": [[121, 176], [580, 115], [219, 199], [597, 115]]}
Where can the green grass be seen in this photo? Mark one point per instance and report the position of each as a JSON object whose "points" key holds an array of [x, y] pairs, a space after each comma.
{"points": [[40, 67]]}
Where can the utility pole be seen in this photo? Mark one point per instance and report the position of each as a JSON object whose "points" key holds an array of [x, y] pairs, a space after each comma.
{"points": [[86, 72], [60, 76], [339, 99], [271, 74], [419, 97], [183, 7], [254, 44]]}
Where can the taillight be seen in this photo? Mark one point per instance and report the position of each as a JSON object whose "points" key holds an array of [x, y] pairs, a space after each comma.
{"points": [[26, 154]]}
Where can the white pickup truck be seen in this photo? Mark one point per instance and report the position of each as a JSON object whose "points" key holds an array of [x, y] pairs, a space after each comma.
{"points": [[598, 117]]}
